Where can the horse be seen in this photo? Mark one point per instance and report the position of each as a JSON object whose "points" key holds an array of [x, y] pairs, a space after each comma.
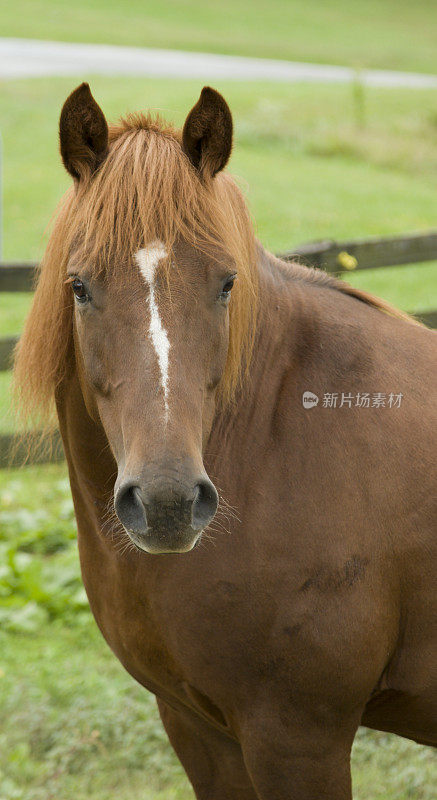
{"points": [[250, 449]]}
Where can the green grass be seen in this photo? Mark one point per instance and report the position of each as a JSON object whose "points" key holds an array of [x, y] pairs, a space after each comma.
{"points": [[394, 34], [13, 309], [7, 422], [310, 170], [73, 724]]}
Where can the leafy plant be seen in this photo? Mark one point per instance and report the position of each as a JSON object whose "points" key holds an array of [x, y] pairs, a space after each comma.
{"points": [[39, 571]]}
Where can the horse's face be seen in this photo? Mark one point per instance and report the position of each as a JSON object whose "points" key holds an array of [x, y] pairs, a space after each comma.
{"points": [[151, 347], [150, 356]]}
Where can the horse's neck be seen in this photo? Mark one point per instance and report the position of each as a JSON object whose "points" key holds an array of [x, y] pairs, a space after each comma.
{"points": [[280, 318], [274, 365], [91, 464]]}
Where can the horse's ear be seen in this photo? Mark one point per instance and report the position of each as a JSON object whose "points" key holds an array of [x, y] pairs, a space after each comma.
{"points": [[83, 133], [207, 133]]}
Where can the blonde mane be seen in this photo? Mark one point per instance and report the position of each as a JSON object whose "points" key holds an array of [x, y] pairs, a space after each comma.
{"points": [[145, 189]]}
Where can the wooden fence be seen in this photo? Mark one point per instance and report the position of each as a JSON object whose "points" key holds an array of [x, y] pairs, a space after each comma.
{"points": [[332, 256]]}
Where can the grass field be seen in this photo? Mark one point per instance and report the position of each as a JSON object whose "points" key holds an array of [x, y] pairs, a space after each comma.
{"points": [[393, 34], [315, 162]]}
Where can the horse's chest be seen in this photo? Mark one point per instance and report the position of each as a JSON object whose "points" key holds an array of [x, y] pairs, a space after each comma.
{"points": [[124, 612], [170, 630]]}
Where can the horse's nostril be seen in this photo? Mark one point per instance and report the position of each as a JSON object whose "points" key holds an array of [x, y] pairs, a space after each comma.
{"points": [[204, 505], [130, 509]]}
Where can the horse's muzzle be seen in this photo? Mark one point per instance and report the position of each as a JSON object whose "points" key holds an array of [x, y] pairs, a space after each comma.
{"points": [[165, 519]]}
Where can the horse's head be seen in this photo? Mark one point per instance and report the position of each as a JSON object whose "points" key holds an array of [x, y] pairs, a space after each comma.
{"points": [[151, 275], [150, 358]]}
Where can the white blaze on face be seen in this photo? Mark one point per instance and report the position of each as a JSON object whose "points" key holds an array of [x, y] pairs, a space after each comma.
{"points": [[147, 260]]}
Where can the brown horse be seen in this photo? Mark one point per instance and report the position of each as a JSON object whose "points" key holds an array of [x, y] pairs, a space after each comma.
{"points": [[309, 606]]}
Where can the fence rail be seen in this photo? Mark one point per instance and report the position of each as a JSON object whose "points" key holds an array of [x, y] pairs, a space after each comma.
{"points": [[17, 277], [370, 253], [332, 256], [14, 451]]}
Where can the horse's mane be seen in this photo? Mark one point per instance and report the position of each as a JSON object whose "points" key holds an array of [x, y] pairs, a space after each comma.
{"points": [[145, 189], [318, 277]]}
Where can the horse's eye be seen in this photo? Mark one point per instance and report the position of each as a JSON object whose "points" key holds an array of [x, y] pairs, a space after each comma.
{"points": [[79, 290], [226, 290]]}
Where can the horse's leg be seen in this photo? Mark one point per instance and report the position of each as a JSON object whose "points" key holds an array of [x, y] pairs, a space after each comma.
{"points": [[212, 761], [289, 761]]}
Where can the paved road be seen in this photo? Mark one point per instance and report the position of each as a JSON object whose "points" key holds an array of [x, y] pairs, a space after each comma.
{"points": [[23, 58]]}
